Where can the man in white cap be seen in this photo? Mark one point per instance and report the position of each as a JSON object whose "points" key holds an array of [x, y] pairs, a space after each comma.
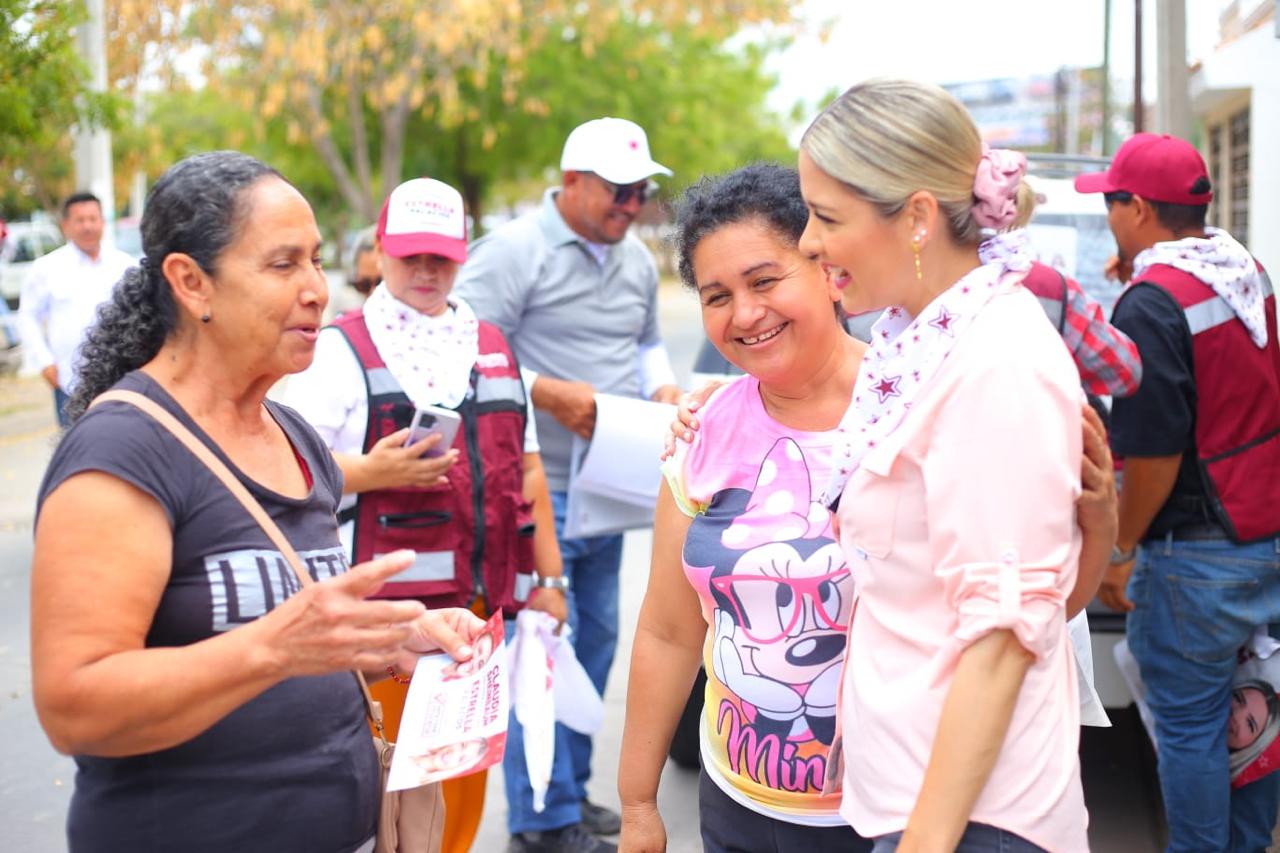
{"points": [[577, 298]]}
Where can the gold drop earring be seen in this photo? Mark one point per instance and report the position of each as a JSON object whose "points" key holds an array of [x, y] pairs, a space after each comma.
{"points": [[915, 250]]}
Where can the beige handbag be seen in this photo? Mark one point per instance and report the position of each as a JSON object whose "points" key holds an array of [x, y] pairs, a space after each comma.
{"points": [[409, 821]]}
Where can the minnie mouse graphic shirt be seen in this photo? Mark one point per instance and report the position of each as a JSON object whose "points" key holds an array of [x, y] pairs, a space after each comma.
{"points": [[776, 594]]}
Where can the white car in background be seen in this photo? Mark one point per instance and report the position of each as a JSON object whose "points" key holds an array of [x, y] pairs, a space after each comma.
{"points": [[1069, 230], [26, 242]]}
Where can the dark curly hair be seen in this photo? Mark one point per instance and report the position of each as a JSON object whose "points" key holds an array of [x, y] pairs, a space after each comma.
{"points": [[196, 208], [765, 191]]}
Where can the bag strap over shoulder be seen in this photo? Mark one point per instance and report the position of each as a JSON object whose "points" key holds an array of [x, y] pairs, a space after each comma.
{"points": [[219, 469]]}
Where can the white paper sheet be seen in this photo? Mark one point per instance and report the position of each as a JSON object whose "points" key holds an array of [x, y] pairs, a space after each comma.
{"points": [[614, 478], [1092, 712]]}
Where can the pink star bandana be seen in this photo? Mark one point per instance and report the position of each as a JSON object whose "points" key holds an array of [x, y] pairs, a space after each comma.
{"points": [[431, 357], [1223, 264], [907, 351]]}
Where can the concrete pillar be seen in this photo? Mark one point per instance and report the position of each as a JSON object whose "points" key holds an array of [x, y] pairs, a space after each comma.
{"points": [[93, 145], [1173, 104]]}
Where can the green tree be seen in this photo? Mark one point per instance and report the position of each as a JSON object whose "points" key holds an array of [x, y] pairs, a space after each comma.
{"points": [[43, 95], [701, 103], [351, 79]]}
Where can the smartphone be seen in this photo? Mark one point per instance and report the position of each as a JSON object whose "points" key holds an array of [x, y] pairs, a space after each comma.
{"points": [[434, 420]]}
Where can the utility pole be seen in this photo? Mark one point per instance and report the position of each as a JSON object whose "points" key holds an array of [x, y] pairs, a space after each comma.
{"points": [[1073, 112], [1137, 67], [93, 145], [1106, 78], [1060, 110], [1173, 107], [138, 187]]}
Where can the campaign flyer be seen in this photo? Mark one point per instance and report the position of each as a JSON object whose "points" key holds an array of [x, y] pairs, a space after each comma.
{"points": [[455, 717]]}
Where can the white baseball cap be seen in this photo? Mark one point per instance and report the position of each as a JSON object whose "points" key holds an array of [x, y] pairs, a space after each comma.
{"points": [[424, 217], [614, 148]]}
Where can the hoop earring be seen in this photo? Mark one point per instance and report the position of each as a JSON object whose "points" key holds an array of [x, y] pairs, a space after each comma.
{"points": [[915, 250]]}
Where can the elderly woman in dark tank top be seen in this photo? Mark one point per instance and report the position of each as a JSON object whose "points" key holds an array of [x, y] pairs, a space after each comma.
{"points": [[207, 700]]}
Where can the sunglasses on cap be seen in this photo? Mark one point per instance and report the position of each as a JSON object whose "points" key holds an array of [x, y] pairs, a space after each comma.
{"points": [[624, 193]]}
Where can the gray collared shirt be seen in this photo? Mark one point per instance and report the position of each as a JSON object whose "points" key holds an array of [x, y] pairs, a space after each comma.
{"points": [[564, 313]]}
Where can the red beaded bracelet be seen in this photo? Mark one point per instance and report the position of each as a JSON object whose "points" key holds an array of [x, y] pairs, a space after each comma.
{"points": [[397, 677]]}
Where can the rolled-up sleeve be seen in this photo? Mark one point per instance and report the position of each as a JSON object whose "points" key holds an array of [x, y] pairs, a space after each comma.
{"points": [[1002, 475]]}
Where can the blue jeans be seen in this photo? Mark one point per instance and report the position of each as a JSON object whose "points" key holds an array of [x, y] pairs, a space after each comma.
{"points": [[1196, 604], [60, 400], [592, 567], [977, 838]]}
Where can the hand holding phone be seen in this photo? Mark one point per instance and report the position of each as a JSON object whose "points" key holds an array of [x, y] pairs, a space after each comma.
{"points": [[434, 420]]}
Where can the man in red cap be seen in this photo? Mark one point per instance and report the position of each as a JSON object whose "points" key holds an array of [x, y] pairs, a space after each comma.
{"points": [[1197, 560]]}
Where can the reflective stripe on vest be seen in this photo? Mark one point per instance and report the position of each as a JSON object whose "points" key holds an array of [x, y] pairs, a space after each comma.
{"points": [[493, 388], [1052, 307], [488, 389], [1049, 287], [381, 382], [427, 566], [1214, 312]]}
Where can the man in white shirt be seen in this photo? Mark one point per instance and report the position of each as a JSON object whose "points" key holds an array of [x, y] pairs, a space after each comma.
{"points": [[61, 295]]}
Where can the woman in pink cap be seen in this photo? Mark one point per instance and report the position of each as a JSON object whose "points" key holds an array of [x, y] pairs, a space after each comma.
{"points": [[476, 511], [955, 487]]}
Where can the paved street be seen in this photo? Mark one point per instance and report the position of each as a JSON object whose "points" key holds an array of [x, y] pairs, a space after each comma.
{"points": [[35, 782]]}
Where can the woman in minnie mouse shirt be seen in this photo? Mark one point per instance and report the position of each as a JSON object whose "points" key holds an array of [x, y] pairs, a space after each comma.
{"points": [[747, 578]]}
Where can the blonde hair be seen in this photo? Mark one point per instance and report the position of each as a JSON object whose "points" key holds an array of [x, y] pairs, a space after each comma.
{"points": [[889, 139]]}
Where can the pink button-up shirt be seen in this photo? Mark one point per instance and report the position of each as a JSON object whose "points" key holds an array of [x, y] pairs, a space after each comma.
{"points": [[962, 522]]}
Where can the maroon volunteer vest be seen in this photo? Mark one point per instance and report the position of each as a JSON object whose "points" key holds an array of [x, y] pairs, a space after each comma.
{"points": [[474, 537], [1237, 404], [1050, 289]]}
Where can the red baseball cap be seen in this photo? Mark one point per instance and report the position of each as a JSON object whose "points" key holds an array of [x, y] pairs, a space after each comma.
{"points": [[1158, 167], [423, 217]]}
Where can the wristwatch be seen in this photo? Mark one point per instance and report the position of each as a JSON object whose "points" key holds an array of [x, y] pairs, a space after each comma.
{"points": [[559, 582], [1118, 556]]}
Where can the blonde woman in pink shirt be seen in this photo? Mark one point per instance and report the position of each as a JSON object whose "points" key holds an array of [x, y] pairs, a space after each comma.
{"points": [[957, 487], [746, 576]]}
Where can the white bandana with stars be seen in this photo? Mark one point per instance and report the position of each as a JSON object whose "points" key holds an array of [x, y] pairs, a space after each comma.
{"points": [[1223, 264], [906, 352], [431, 357]]}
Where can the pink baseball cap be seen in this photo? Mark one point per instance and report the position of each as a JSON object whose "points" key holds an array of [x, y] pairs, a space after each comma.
{"points": [[1158, 167], [424, 217]]}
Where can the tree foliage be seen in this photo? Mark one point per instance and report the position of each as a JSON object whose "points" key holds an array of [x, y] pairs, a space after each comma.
{"points": [[43, 94], [348, 98], [479, 90], [702, 104]]}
